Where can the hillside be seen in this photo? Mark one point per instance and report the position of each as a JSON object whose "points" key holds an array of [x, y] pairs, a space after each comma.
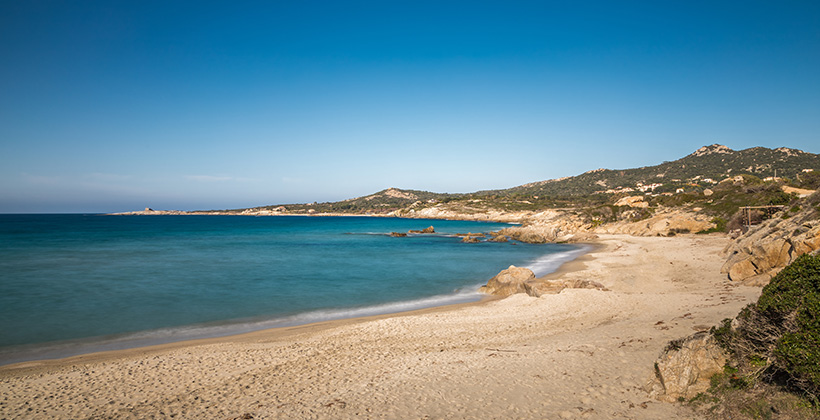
{"points": [[686, 181], [707, 165]]}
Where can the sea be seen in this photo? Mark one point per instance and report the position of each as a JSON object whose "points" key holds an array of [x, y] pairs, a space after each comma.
{"points": [[79, 283]]}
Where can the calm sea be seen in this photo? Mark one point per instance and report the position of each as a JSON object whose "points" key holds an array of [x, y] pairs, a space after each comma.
{"points": [[70, 284]]}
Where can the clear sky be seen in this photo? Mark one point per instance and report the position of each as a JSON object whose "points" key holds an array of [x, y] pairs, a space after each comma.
{"points": [[118, 105]]}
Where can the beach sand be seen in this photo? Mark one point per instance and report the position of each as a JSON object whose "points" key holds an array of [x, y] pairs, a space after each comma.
{"points": [[577, 354]]}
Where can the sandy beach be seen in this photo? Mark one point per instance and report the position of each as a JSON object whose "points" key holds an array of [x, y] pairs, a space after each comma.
{"points": [[578, 354]]}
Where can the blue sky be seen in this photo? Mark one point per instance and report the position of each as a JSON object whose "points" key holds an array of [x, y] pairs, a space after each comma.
{"points": [[112, 106]]}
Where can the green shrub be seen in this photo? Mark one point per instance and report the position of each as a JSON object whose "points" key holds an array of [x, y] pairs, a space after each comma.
{"points": [[720, 226], [791, 287], [791, 303], [723, 334]]}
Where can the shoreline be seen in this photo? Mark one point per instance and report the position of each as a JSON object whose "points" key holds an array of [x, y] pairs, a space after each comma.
{"points": [[213, 332], [77, 348], [119, 346], [21, 353], [267, 333], [577, 354]]}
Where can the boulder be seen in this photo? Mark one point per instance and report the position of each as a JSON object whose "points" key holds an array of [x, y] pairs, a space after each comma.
{"points": [[470, 240], [522, 280], [509, 281], [771, 255], [684, 368], [398, 234], [742, 269]]}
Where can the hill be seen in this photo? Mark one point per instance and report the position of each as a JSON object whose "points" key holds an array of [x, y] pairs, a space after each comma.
{"points": [[714, 177]]}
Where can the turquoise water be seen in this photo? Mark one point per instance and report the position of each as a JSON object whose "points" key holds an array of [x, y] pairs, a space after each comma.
{"points": [[75, 283]]}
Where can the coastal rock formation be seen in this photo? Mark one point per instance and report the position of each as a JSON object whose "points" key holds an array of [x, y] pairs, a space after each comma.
{"points": [[398, 234], [551, 287], [533, 234], [684, 368], [510, 281], [522, 280], [662, 223], [470, 240], [471, 234], [762, 252], [578, 237], [425, 230]]}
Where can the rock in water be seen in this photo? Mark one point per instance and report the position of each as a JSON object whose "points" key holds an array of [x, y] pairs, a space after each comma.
{"points": [[425, 230]]}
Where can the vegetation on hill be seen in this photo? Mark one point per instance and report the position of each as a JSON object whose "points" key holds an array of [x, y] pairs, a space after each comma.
{"points": [[708, 165], [714, 180], [774, 346]]}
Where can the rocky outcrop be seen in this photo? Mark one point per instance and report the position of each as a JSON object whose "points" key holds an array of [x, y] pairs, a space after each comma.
{"points": [[684, 368], [762, 252], [551, 287], [398, 234], [632, 201], [662, 223], [759, 254], [425, 230], [509, 282], [551, 226], [522, 280], [532, 234]]}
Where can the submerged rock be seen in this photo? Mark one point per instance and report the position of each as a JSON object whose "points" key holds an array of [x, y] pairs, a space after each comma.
{"points": [[398, 234]]}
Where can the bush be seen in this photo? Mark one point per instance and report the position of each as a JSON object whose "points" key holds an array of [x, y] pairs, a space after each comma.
{"points": [[793, 298], [783, 327]]}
